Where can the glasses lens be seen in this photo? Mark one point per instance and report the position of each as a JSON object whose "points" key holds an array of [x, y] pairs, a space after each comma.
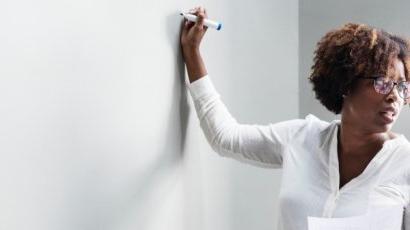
{"points": [[383, 85], [403, 88]]}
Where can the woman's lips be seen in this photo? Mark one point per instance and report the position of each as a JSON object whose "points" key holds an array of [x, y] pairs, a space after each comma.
{"points": [[388, 116]]}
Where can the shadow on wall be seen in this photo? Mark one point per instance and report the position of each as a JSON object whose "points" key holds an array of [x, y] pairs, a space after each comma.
{"points": [[152, 189]]}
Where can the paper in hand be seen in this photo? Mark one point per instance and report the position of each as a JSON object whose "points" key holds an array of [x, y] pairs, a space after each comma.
{"points": [[377, 218]]}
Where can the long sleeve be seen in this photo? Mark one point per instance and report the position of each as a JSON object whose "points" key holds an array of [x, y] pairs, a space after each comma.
{"points": [[258, 145]]}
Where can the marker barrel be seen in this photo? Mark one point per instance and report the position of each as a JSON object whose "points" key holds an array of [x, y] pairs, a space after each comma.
{"points": [[207, 22]]}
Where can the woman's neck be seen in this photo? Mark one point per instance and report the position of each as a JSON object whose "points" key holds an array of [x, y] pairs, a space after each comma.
{"points": [[353, 140]]}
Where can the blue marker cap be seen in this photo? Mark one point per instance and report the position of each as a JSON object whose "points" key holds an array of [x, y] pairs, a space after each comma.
{"points": [[219, 26]]}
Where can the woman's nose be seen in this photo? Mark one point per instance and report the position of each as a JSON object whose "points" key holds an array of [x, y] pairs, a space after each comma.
{"points": [[394, 93]]}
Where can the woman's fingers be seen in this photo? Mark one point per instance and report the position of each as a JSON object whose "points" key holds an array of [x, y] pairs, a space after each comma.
{"points": [[200, 22], [193, 32], [197, 10], [205, 15], [201, 17], [193, 10]]}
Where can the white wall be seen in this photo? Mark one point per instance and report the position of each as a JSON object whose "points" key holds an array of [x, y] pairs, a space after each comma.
{"points": [[97, 130], [254, 66], [316, 17]]}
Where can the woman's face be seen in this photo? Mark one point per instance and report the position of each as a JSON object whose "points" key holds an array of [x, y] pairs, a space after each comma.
{"points": [[371, 111]]}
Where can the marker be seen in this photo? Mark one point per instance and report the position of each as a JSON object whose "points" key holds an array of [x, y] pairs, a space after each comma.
{"points": [[207, 22]]}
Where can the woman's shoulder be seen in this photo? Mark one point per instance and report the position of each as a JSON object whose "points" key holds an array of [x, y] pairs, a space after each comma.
{"points": [[400, 139], [400, 145], [313, 118], [320, 130], [319, 124], [397, 138], [310, 118], [309, 125]]}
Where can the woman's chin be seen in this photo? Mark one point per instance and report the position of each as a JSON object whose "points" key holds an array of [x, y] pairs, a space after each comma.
{"points": [[384, 127]]}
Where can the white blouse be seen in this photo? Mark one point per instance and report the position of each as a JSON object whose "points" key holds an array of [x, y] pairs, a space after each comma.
{"points": [[306, 150]]}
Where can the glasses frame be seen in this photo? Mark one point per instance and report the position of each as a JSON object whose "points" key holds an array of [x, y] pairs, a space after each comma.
{"points": [[395, 83]]}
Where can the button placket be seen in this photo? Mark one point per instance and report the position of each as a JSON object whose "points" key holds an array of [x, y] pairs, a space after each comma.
{"points": [[337, 195], [334, 203], [331, 204]]}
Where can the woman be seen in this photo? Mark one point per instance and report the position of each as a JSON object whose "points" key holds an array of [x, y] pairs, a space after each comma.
{"points": [[337, 169]]}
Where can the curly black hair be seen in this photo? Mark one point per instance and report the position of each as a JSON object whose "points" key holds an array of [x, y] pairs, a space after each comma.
{"points": [[346, 53]]}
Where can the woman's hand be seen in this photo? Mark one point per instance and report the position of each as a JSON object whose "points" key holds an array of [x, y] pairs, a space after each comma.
{"points": [[191, 37], [192, 33]]}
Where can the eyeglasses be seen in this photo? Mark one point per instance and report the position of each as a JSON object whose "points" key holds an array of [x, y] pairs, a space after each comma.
{"points": [[384, 85]]}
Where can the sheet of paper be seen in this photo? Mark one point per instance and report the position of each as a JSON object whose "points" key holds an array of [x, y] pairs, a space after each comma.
{"points": [[377, 218]]}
